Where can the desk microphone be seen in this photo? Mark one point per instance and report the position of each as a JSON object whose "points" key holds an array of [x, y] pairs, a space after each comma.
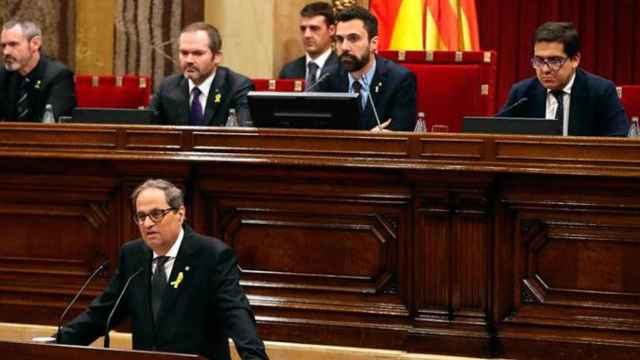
{"points": [[373, 106], [104, 266], [513, 106], [322, 78], [115, 307]]}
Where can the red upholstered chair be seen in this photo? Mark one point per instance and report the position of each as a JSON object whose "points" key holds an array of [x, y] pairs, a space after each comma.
{"points": [[108, 91], [451, 84], [630, 97], [278, 84]]}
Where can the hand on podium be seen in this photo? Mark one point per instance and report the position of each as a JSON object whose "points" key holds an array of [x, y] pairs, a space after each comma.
{"points": [[382, 127]]}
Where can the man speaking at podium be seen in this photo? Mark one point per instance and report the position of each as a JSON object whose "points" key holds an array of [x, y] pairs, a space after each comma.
{"points": [[184, 294]]}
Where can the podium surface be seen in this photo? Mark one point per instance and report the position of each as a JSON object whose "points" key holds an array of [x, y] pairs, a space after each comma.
{"points": [[463, 244], [31, 351]]}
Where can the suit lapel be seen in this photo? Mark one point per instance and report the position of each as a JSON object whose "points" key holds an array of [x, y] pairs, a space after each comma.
{"points": [[539, 101], [577, 106], [179, 279], [216, 99], [180, 95], [376, 91], [143, 285]]}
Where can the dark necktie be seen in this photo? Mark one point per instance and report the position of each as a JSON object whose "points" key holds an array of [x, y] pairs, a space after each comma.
{"points": [[22, 106], [357, 89], [559, 95], [158, 284], [312, 70], [196, 118]]}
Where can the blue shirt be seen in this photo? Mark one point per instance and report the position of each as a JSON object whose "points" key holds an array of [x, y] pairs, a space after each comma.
{"points": [[365, 81]]}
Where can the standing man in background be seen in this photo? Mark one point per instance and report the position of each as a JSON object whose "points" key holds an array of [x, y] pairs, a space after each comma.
{"points": [[317, 30], [205, 92], [30, 80], [586, 104]]}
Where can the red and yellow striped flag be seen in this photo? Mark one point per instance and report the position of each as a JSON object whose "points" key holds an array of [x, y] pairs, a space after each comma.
{"points": [[452, 25], [400, 24], [427, 24]]}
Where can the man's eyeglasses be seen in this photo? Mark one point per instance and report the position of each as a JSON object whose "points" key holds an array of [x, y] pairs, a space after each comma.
{"points": [[156, 215], [554, 63]]}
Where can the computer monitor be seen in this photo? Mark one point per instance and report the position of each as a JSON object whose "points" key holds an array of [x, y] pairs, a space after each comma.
{"points": [[299, 110], [511, 125], [109, 116]]}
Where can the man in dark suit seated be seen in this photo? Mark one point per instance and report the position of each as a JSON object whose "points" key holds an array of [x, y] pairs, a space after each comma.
{"points": [[30, 80], [186, 297], [317, 29], [391, 87], [587, 104], [205, 92]]}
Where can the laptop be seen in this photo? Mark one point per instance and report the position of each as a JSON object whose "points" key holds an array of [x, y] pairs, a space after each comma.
{"points": [[511, 125], [109, 116]]}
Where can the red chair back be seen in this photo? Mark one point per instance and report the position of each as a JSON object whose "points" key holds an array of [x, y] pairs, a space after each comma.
{"points": [[108, 91]]}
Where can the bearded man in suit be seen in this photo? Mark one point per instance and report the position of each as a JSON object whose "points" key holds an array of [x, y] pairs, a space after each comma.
{"points": [[205, 92], [184, 294]]}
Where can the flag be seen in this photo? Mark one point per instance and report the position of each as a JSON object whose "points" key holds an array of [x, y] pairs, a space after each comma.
{"points": [[400, 24], [451, 25], [426, 24]]}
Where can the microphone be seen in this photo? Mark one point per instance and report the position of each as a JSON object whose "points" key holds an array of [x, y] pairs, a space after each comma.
{"points": [[115, 307], [322, 78], [104, 266], [373, 106], [513, 106]]}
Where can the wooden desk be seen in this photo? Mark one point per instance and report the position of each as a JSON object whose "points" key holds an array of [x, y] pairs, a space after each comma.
{"points": [[448, 243]]}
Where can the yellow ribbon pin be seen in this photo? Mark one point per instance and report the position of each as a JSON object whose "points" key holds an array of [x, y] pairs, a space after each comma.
{"points": [[218, 98], [179, 279]]}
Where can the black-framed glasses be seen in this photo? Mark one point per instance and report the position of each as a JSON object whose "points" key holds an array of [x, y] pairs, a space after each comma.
{"points": [[156, 215], [554, 63]]}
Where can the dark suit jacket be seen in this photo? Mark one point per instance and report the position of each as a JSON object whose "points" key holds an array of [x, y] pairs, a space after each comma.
{"points": [[171, 103], [393, 90], [197, 317], [297, 69], [595, 109], [50, 83]]}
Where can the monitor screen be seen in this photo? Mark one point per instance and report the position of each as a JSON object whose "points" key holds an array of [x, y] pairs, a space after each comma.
{"points": [[109, 116], [511, 125], [299, 110]]}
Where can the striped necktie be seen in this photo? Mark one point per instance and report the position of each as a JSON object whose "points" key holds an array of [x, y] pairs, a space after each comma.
{"points": [[22, 106]]}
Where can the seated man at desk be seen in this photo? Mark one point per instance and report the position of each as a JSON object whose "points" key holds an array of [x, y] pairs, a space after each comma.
{"points": [[205, 92], [387, 90], [29, 80], [587, 105]]}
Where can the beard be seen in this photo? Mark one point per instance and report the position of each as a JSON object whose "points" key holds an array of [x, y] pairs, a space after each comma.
{"points": [[352, 63], [11, 64]]}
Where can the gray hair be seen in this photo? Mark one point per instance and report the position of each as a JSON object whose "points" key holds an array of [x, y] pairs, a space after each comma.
{"points": [[28, 28], [172, 193]]}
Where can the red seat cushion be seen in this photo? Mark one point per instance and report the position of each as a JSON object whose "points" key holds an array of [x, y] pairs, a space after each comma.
{"points": [[108, 91], [630, 97]]}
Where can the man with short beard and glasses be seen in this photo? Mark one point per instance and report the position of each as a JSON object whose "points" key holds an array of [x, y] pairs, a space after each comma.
{"points": [[30, 80], [317, 29], [391, 86], [586, 104], [205, 92]]}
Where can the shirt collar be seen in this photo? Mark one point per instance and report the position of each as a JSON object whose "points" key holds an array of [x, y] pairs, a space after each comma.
{"points": [[368, 77], [173, 252], [567, 88], [320, 60], [205, 87]]}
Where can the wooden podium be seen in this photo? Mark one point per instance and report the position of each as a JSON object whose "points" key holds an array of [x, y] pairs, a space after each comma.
{"points": [[33, 351], [462, 244]]}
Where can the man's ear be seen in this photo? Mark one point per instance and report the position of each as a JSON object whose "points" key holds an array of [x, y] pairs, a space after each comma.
{"points": [[332, 30], [217, 58], [575, 60], [35, 43], [374, 44]]}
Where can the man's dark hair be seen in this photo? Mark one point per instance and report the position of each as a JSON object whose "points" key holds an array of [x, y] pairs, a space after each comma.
{"points": [[562, 32], [360, 13], [215, 40], [319, 8]]}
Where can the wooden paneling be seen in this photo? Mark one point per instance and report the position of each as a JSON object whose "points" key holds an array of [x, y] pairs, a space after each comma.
{"points": [[495, 246]]}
